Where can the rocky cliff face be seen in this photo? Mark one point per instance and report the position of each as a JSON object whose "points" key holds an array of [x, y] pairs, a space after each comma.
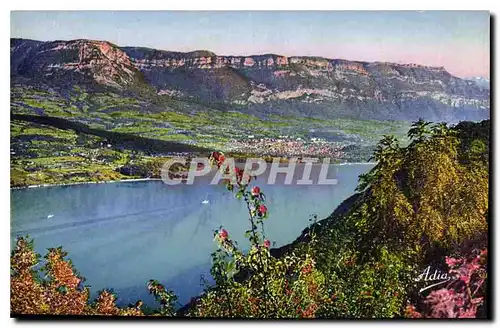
{"points": [[78, 60], [310, 86]]}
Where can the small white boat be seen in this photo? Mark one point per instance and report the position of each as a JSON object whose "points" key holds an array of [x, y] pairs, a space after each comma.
{"points": [[50, 216], [206, 199]]}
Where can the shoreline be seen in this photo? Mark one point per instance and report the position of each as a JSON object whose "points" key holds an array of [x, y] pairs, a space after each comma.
{"points": [[132, 180], [82, 183], [356, 163]]}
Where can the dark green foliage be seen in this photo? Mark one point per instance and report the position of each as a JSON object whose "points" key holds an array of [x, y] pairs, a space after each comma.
{"points": [[416, 205]]}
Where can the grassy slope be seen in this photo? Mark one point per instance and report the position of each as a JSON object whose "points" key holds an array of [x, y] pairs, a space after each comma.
{"points": [[162, 118], [42, 154]]}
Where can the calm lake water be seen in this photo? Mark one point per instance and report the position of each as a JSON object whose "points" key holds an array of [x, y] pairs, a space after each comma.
{"points": [[120, 235]]}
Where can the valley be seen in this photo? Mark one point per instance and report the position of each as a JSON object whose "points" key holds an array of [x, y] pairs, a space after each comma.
{"points": [[113, 102]]}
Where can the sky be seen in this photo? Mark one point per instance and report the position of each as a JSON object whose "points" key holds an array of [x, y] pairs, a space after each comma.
{"points": [[457, 40]]}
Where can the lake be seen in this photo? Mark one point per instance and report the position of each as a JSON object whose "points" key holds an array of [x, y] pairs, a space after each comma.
{"points": [[120, 235]]}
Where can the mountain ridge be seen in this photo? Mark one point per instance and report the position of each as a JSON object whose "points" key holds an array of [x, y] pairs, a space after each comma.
{"points": [[213, 54], [265, 84]]}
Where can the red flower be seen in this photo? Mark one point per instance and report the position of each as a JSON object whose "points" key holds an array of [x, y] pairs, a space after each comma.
{"points": [[469, 313], [307, 269], [451, 262], [218, 157], [223, 234], [255, 191], [239, 172], [465, 278], [262, 209], [267, 243], [215, 155], [472, 267]]}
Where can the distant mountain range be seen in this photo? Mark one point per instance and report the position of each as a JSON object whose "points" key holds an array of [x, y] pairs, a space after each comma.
{"points": [[260, 85]]}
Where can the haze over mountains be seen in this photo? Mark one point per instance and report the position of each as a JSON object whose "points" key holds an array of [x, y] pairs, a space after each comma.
{"points": [[484, 82], [260, 85]]}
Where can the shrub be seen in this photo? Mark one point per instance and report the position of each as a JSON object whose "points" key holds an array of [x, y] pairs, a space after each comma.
{"points": [[463, 295], [255, 284], [423, 195], [60, 292]]}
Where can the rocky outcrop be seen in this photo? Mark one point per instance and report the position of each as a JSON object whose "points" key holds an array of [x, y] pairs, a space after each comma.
{"points": [[99, 61], [145, 58]]}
